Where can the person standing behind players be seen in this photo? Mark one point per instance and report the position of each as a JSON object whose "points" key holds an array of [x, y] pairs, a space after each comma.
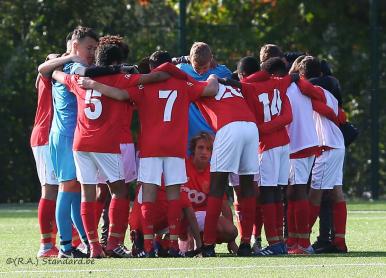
{"points": [[201, 66], [45, 170], [84, 43], [163, 113], [327, 173]]}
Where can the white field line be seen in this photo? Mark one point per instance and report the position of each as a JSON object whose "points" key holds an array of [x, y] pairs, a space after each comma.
{"points": [[201, 268]]}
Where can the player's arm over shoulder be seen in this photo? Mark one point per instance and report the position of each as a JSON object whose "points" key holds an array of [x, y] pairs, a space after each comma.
{"points": [[109, 91], [211, 88]]}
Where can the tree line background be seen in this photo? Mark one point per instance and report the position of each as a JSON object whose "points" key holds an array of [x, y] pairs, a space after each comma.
{"points": [[338, 31]]}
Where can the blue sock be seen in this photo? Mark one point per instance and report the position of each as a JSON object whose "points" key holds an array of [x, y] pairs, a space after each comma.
{"points": [[63, 219], [75, 215]]}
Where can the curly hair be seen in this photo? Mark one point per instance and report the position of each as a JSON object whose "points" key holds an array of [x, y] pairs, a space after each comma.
{"points": [[117, 40]]}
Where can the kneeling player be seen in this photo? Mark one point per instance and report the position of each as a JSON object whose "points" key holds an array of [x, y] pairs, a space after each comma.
{"points": [[197, 189]]}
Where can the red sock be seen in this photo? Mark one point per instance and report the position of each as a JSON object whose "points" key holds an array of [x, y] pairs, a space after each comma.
{"points": [[174, 218], [258, 225], [302, 218], [87, 211], [248, 210], [147, 210], [270, 226], [46, 218], [339, 211], [279, 219], [75, 237], [54, 232], [213, 211], [236, 206], [118, 214], [292, 237], [314, 214], [98, 211]]}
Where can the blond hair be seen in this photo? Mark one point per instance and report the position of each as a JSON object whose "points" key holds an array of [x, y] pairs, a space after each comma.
{"points": [[200, 53]]}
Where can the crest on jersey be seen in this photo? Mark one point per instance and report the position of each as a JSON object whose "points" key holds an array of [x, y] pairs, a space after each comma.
{"points": [[190, 84], [140, 86], [127, 76]]}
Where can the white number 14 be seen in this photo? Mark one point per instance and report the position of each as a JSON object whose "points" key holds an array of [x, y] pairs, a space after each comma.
{"points": [[275, 105]]}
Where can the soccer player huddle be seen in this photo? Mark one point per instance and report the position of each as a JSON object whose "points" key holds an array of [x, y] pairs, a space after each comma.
{"points": [[270, 130]]}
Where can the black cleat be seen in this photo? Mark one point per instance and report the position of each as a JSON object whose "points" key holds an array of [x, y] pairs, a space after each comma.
{"points": [[120, 251], [143, 254], [208, 251], [244, 250], [72, 253]]}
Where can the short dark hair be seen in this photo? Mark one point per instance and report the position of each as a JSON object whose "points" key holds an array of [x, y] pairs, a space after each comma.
{"points": [[118, 40], [203, 135], [107, 54], [309, 67], [269, 51], [158, 58], [81, 32], [143, 65], [274, 66], [248, 65]]}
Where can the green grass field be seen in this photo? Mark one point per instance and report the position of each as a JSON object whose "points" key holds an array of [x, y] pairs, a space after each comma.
{"points": [[366, 240]]}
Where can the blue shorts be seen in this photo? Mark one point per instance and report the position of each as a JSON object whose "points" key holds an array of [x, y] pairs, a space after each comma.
{"points": [[62, 157]]}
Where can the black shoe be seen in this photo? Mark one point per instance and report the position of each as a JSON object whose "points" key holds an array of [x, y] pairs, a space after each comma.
{"points": [[338, 250], [120, 251], [143, 254], [175, 253], [137, 240], [244, 250], [160, 252], [193, 253], [208, 251], [72, 253], [322, 247]]}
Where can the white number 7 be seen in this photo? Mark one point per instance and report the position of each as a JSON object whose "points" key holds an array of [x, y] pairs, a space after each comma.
{"points": [[171, 96]]}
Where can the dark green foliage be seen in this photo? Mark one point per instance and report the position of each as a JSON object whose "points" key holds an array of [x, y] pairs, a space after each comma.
{"points": [[335, 30]]}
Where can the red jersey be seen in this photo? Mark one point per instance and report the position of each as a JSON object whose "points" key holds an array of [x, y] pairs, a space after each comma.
{"points": [[226, 107], [272, 109], [99, 127], [126, 137], [163, 115], [44, 113], [198, 185]]}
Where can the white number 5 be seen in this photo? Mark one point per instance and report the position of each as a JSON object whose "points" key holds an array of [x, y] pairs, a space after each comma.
{"points": [[91, 98], [171, 96]]}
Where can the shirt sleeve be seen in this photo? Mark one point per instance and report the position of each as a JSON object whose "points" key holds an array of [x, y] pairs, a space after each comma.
{"points": [[70, 81], [125, 81], [247, 90], [314, 92], [195, 89], [324, 110]]}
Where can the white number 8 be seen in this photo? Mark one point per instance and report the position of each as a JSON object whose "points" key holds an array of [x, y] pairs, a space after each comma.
{"points": [[92, 98]]}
